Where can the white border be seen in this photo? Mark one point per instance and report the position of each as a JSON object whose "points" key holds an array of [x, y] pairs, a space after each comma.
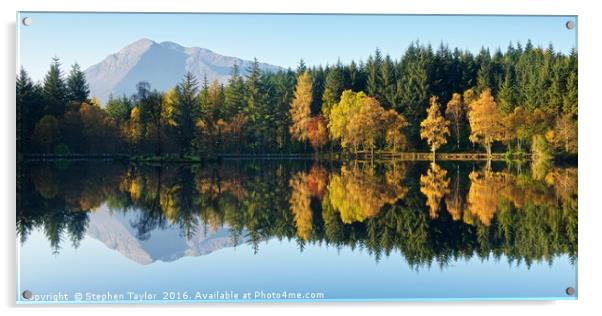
{"points": [[590, 108]]}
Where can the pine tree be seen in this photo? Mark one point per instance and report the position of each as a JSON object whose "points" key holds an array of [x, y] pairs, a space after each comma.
{"points": [[77, 87], [374, 82], [55, 91], [234, 94], [187, 112], [333, 87], [508, 95], [301, 107], [389, 83], [484, 74], [413, 88], [253, 95], [28, 100]]}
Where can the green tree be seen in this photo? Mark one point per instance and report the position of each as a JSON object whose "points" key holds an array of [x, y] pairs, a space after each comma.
{"points": [[77, 87], [55, 90], [187, 111], [333, 87], [234, 94], [47, 133]]}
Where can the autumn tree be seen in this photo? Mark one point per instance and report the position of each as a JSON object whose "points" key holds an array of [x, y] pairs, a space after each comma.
{"points": [[515, 127], [484, 118], [455, 112], [365, 126], [47, 132], [300, 205], [434, 185], [317, 132], [435, 128], [565, 134], [301, 107], [394, 124], [340, 115]]}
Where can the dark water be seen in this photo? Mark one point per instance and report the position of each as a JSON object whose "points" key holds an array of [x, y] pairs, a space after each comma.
{"points": [[296, 230]]}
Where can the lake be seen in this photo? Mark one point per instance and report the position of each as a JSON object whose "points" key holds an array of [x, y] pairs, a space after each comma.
{"points": [[295, 230]]}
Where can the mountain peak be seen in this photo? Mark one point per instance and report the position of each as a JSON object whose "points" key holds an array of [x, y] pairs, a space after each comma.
{"points": [[141, 44], [162, 65], [172, 45]]}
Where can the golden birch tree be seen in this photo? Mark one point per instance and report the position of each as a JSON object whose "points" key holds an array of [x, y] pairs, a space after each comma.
{"points": [[435, 128], [485, 123]]}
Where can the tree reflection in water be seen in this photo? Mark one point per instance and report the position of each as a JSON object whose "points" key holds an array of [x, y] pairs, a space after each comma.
{"points": [[429, 213]]}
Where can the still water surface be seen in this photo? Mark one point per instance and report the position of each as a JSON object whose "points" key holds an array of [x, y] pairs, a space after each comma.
{"points": [[295, 230]]}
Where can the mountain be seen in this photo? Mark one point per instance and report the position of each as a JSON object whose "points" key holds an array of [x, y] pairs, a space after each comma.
{"points": [[114, 230], [163, 65]]}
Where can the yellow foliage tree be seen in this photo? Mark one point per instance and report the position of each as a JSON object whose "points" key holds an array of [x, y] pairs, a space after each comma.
{"points": [[434, 185], [484, 118], [394, 123], [359, 194], [365, 124], [486, 190], [170, 103], [565, 134], [340, 115], [300, 109], [455, 112], [300, 205], [515, 126], [435, 128]]}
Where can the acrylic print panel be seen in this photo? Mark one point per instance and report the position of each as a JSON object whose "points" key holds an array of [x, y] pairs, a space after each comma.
{"points": [[265, 157]]}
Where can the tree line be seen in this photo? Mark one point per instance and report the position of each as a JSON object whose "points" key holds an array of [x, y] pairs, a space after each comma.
{"points": [[519, 100], [431, 213]]}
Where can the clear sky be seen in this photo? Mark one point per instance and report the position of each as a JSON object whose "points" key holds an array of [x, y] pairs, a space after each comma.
{"points": [[276, 39]]}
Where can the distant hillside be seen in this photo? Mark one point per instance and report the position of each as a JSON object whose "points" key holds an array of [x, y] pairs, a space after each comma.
{"points": [[162, 65]]}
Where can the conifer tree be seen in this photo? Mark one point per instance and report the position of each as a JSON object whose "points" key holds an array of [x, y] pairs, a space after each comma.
{"points": [[301, 107], [55, 91], [77, 87], [186, 113], [234, 94]]}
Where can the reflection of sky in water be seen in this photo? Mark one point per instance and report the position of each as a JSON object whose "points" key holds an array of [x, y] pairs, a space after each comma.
{"points": [[280, 266]]}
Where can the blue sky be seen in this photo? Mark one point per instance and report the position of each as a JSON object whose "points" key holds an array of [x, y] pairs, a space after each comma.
{"points": [[277, 39]]}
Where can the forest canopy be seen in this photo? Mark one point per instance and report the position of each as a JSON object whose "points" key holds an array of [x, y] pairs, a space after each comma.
{"points": [[489, 101]]}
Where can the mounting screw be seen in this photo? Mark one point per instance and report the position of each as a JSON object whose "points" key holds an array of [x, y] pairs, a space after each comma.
{"points": [[27, 21], [570, 290], [27, 294], [570, 25]]}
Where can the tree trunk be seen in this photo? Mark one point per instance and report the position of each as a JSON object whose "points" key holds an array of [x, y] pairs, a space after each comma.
{"points": [[458, 136], [158, 150]]}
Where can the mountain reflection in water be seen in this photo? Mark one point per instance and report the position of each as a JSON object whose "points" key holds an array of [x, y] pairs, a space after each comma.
{"points": [[430, 213]]}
